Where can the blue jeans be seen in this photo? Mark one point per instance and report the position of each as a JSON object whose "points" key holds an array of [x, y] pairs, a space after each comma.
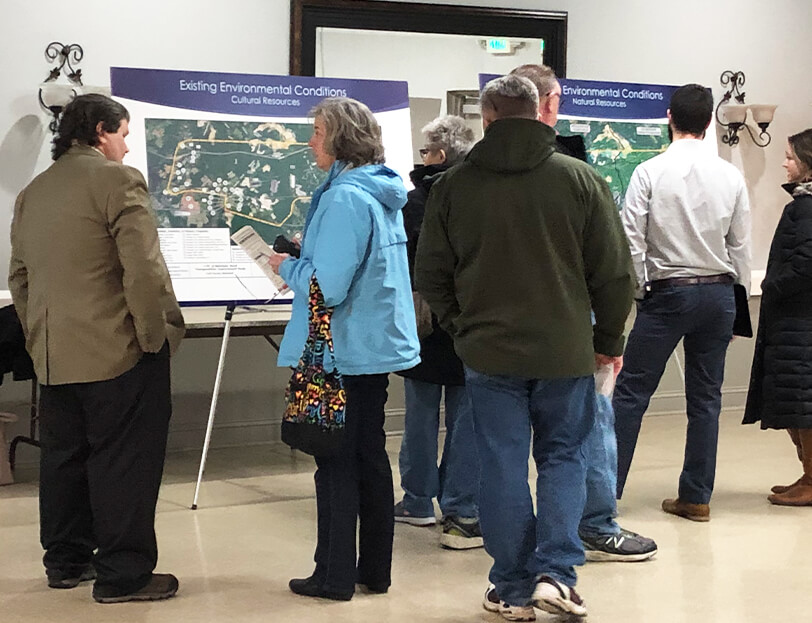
{"points": [[557, 416], [701, 315], [456, 481], [600, 449]]}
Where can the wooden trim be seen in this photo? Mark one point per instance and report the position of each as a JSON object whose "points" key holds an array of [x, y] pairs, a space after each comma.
{"points": [[306, 16]]}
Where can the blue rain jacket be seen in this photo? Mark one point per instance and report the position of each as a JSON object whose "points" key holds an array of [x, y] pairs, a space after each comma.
{"points": [[355, 243]]}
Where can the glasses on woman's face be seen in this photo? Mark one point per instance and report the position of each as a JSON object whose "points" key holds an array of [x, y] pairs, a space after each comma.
{"points": [[424, 152]]}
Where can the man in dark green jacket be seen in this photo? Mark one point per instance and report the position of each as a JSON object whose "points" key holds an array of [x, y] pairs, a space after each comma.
{"points": [[603, 538], [518, 244]]}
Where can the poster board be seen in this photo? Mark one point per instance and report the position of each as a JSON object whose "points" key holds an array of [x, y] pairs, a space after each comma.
{"points": [[220, 151], [623, 124]]}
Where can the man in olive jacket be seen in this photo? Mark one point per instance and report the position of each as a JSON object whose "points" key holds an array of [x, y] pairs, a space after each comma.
{"points": [[100, 319], [518, 244]]}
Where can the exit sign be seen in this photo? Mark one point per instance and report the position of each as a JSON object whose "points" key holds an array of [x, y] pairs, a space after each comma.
{"points": [[498, 46]]}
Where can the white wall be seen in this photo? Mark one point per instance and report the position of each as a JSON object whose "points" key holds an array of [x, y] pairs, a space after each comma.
{"points": [[431, 63], [634, 40]]}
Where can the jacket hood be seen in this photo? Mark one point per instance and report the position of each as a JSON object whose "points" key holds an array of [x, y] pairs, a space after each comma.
{"points": [[425, 171], [514, 145], [378, 180], [797, 189], [425, 175]]}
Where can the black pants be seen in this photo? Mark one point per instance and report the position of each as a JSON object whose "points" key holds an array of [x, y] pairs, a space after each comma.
{"points": [[357, 484], [103, 448]]}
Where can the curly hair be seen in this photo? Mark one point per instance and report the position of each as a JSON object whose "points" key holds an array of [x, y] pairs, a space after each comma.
{"points": [[80, 119], [352, 133], [451, 134]]}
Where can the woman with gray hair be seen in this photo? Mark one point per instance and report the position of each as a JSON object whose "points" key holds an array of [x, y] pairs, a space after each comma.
{"points": [[355, 246], [455, 482]]}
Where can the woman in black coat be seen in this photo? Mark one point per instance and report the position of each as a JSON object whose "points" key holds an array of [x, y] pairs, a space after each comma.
{"points": [[780, 393], [455, 482]]}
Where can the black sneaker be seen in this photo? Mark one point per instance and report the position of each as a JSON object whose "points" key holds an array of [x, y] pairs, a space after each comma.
{"points": [[461, 533], [404, 516], [160, 586], [625, 546], [70, 579]]}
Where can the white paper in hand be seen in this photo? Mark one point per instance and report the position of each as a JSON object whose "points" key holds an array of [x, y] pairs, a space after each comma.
{"points": [[605, 379], [259, 251]]}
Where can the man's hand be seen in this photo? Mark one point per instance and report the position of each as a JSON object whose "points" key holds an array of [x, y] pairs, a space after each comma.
{"points": [[603, 360], [276, 259]]}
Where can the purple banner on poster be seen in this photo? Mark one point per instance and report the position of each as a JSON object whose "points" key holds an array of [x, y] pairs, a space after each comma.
{"points": [[253, 95], [614, 100], [596, 99]]}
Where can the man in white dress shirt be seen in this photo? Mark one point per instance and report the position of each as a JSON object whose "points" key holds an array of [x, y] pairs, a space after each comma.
{"points": [[687, 218]]}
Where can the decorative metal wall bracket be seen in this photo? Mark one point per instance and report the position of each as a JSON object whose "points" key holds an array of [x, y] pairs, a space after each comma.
{"points": [[54, 97], [735, 115]]}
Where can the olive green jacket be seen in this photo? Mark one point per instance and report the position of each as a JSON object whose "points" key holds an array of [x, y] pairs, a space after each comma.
{"points": [[87, 276], [518, 244]]}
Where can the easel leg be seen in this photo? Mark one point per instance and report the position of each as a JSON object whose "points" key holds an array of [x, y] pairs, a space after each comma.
{"points": [[215, 394], [32, 440]]}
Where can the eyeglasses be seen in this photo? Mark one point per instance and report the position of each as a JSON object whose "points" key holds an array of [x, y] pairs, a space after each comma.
{"points": [[423, 152]]}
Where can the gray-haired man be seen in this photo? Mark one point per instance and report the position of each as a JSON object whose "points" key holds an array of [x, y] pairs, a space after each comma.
{"points": [[516, 243], [604, 540]]}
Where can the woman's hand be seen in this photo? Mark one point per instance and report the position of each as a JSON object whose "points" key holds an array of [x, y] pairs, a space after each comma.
{"points": [[276, 259]]}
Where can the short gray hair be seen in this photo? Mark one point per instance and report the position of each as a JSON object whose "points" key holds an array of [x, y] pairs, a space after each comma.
{"points": [[451, 134], [352, 132], [510, 96], [541, 75]]}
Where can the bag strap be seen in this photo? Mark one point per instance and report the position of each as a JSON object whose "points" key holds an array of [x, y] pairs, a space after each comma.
{"points": [[319, 331]]}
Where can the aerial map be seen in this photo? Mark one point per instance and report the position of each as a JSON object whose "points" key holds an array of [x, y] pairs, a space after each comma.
{"points": [[218, 174], [615, 148]]}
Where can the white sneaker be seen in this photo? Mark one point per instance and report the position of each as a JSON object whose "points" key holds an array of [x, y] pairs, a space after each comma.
{"points": [[557, 598], [492, 603]]}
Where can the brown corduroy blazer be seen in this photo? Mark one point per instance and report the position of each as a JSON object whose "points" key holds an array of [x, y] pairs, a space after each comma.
{"points": [[87, 276]]}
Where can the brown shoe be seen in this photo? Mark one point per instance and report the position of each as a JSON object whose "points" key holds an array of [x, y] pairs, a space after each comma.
{"points": [[160, 586], [800, 494], [694, 512], [785, 488]]}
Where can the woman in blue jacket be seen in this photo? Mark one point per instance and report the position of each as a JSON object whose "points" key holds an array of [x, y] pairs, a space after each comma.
{"points": [[355, 244]]}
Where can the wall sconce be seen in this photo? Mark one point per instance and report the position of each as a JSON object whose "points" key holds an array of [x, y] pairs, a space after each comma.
{"points": [[736, 114], [54, 97]]}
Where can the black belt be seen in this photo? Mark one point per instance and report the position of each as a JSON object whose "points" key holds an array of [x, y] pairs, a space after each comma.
{"points": [[659, 284]]}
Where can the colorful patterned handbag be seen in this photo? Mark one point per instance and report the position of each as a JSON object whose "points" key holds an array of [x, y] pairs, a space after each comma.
{"points": [[315, 398]]}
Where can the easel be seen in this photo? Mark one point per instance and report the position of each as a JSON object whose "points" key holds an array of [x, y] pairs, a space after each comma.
{"points": [[230, 311]]}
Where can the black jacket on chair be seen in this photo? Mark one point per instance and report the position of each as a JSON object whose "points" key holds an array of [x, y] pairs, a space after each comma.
{"points": [[780, 393], [13, 356]]}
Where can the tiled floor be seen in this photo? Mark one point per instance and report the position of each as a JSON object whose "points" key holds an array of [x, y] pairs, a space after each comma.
{"points": [[255, 529]]}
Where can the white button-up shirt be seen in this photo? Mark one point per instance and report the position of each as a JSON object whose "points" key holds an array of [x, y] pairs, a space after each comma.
{"points": [[687, 215]]}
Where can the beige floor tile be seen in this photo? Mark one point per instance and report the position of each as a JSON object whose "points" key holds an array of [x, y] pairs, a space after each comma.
{"points": [[255, 529]]}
